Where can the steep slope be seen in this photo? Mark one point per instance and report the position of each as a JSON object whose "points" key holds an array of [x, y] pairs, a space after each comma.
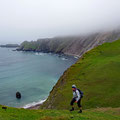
{"points": [[92, 114], [74, 45], [97, 73]]}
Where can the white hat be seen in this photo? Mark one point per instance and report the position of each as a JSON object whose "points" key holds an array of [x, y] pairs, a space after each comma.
{"points": [[73, 86]]}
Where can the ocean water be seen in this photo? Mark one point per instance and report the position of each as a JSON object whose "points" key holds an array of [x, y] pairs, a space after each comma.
{"points": [[32, 74]]}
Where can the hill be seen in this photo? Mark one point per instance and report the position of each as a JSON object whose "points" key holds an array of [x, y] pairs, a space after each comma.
{"points": [[70, 45], [92, 114], [97, 73]]}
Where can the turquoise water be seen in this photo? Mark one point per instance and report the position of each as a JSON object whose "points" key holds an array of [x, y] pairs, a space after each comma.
{"points": [[32, 74]]}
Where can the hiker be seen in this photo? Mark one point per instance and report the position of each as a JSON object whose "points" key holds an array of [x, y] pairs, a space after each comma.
{"points": [[77, 96]]}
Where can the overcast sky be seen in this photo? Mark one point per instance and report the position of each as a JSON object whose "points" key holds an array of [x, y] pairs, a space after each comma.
{"points": [[32, 19]]}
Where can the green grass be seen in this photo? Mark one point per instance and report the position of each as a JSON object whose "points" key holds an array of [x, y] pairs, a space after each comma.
{"points": [[91, 114], [97, 73]]}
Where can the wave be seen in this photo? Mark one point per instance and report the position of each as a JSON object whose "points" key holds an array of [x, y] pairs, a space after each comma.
{"points": [[64, 59], [39, 54], [33, 104], [77, 57]]}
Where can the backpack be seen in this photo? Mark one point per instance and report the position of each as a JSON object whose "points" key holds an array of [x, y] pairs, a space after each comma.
{"points": [[81, 93]]}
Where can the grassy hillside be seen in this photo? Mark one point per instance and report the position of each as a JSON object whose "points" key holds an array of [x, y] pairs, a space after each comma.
{"points": [[92, 114], [97, 73]]}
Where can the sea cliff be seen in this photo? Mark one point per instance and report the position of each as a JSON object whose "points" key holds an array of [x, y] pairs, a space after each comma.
{"points": [[70, 45]]}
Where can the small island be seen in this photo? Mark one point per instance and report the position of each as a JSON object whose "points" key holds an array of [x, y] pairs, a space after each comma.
{"points": [[10, 45]]}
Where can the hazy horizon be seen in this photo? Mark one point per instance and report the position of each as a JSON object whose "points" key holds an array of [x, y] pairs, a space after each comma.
{"points": [[33, 19]]}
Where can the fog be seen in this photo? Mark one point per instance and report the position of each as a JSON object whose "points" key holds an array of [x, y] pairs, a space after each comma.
{"points": [[32, 19]]}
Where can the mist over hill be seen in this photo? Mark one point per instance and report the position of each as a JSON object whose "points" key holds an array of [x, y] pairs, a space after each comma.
{"points": [[70, 45]]}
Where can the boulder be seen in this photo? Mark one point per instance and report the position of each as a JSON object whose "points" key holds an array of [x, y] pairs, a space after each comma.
{"points": [[18, 95]]}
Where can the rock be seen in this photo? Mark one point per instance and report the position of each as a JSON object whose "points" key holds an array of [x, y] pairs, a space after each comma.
{"points": [[18, 95], [4, 107]]}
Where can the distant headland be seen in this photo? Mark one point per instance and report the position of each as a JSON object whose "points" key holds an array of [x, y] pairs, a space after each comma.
{"points": [[70, 45], [10, 45]]}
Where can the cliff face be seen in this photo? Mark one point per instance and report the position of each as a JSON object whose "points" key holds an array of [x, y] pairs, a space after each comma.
{"points": [[76, 45]]}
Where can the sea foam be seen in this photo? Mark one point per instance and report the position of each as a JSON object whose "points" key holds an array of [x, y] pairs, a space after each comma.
{"points": [[34, 104]]}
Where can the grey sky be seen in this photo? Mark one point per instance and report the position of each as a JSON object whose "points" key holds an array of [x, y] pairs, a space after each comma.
{"points": [[31, 19]]}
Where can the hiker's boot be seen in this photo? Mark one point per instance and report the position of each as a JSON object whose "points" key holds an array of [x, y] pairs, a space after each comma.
{"points": [[72, 109], [80, 111]]}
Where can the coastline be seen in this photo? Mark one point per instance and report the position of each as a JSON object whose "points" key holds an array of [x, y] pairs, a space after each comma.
{"points": [[37, 103], [34, 105], [76, 56]]}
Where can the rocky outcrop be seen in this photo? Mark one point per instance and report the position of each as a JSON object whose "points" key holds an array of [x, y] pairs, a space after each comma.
{"points": [[71, 45]]}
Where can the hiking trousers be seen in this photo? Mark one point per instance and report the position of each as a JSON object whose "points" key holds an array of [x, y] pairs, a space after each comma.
{"points": [[78, 103]]}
